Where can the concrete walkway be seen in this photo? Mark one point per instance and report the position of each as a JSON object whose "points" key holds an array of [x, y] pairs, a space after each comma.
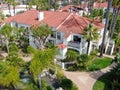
{"points": [[86, 80]]}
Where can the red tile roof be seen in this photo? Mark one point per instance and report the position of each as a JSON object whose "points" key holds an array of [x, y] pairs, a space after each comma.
{"points": [[62, 46], [64, 21], [102, 5]]}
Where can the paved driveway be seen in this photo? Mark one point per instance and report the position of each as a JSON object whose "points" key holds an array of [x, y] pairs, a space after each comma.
{"points": [[86, 80]]}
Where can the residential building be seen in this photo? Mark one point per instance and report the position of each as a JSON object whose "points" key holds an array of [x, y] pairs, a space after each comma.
{"points": [[18, 8], [68, 29]]}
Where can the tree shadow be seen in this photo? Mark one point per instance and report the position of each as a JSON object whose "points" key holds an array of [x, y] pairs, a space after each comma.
{"points": [[103, 76]]}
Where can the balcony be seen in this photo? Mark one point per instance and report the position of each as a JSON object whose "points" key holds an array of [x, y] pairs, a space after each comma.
{"points": [[74, 44]]}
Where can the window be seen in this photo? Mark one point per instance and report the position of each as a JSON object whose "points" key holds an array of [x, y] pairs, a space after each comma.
{"points": [[76, 39], [58, 35]]}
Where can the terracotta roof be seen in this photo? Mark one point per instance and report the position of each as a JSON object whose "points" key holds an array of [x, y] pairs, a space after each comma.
{"points": [[102, 5], [76, 25], [64, 21], [62, 46], [68, 7]]}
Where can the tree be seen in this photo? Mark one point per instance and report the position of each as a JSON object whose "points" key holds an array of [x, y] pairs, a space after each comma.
{"points": [[105, 29], [6, 31], [14, 4], [2, 17], [9, 3], [9, 76], [90, 34], [117, 58], [41, 60], [116, 12], [40, 4], [14, 60], [40, 33], [8, 34]]}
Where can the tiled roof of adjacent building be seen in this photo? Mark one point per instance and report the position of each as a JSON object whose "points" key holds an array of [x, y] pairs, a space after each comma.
{"points": [[96, 5], [62, 21]]}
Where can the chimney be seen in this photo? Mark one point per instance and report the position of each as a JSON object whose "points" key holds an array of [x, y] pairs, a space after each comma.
{"points": [[40, 16]]}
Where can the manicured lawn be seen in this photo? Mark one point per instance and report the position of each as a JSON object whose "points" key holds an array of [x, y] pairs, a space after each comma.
{"points": [[103, 83], [99, 63]]}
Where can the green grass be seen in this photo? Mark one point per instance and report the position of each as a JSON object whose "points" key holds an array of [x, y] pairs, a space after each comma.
{"points": [[99, 63], [103, 83]]}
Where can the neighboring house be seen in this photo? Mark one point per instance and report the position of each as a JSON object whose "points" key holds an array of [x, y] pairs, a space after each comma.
{"points": [[96, 5], [68, 29], [74, 9], [83, 7], [18, 8]]}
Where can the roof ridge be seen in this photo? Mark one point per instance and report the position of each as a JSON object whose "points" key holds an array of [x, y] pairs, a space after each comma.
{"points": [[76, 21], [64, 21]]}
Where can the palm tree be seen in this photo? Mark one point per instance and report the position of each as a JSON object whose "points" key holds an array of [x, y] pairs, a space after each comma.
{"points": [[90, 34], [106, 26], [9, 3], [9, 76], [8, 34], [14, 4], [2, 17], [116, 12]]}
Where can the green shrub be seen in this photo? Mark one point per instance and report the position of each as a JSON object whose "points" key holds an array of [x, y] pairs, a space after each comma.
{"points": [[67, 84], [50, 88], [4, 48], [72, 68], [94, 53], [13, 47], [1, 57], [117, 58], [115, 85]]}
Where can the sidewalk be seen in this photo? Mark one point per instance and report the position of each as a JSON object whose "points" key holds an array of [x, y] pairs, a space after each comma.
{"points": [[86, 80]]}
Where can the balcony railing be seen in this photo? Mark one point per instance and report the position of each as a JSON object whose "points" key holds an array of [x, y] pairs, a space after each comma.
{"points": [[74, 44]]}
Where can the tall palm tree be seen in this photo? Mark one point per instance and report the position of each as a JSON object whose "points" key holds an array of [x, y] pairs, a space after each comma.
{"points": [[14, 4], [116, 12], [106, 26], [90, 34], [9, 3]]}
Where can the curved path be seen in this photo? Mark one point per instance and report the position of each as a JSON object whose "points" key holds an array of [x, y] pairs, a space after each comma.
{"points": [[86, 80]]}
